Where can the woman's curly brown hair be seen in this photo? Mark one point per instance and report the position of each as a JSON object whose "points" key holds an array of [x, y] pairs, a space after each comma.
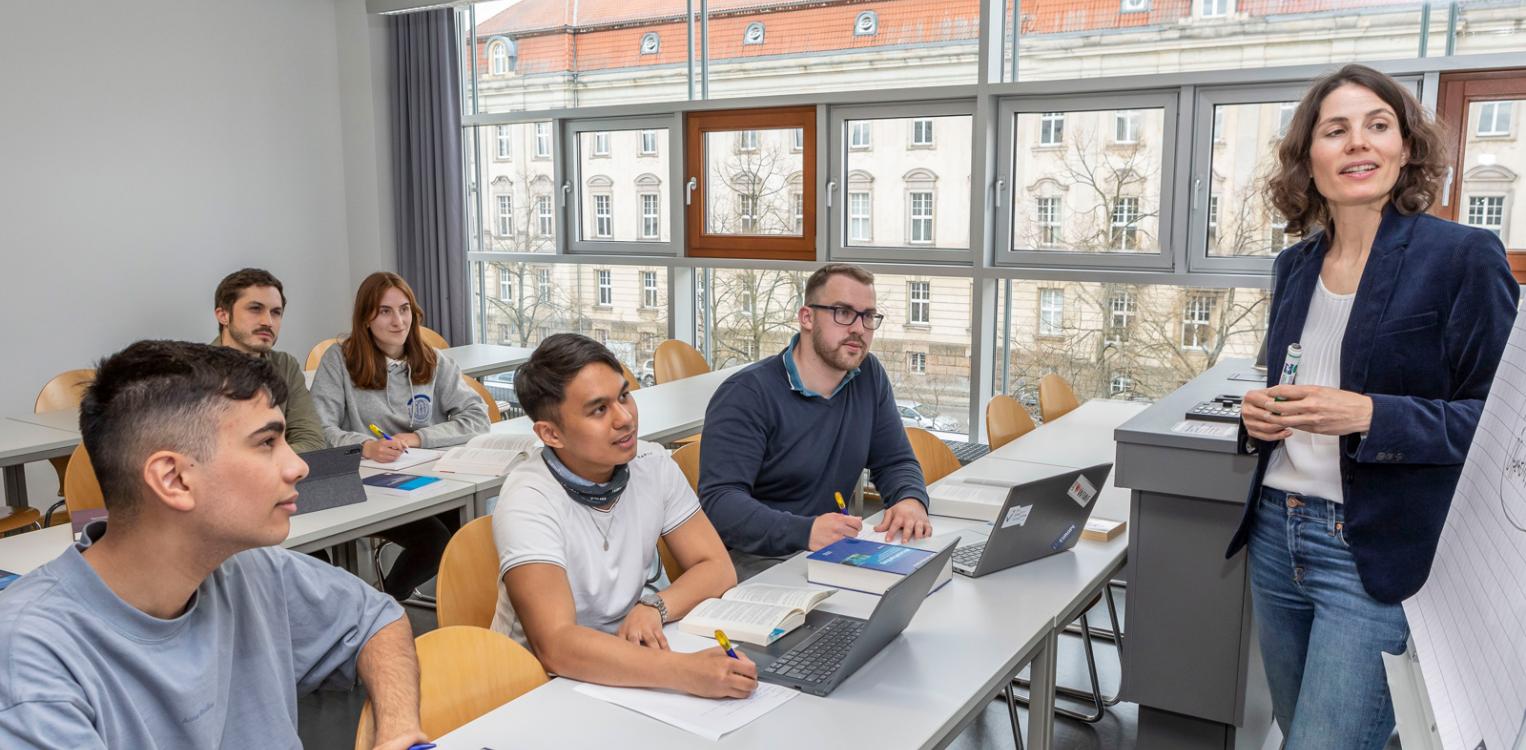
{"points": [[1290, 188]]}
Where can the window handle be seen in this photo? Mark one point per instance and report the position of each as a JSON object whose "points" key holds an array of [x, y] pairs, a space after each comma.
{"points": [[1001, 187], [566, 190], [1446, 190], [689, 188], [1197, 188], [831, 188]]}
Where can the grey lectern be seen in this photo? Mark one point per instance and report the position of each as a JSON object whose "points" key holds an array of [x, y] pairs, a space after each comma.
{"points": [[1190, 658]]}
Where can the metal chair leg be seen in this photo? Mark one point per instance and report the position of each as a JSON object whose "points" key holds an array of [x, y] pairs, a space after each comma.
{"points": [[1017, 726], [1098, 701]]}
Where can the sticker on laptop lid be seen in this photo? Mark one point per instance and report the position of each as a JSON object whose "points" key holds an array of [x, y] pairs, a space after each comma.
{"points": [[1059, 543], [1082, 491], [1017, 516]]}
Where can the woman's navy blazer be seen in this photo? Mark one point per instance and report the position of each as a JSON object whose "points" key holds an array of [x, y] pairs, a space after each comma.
{"points": [[1434, 308]]}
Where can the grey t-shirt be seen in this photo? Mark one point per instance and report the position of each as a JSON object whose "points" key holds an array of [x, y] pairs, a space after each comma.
{"points": [[84, 669]]}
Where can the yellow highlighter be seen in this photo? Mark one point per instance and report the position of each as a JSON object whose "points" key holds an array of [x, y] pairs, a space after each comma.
{"points": [[842, 507], [720, 637], [377, 431]]}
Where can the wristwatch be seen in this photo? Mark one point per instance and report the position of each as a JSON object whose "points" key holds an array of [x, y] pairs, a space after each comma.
{"points": [[654, 600]]}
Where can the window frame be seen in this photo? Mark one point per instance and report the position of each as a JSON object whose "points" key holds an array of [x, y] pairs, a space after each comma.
{"points": [[699, 243], [575, 184], [1008, 109]]}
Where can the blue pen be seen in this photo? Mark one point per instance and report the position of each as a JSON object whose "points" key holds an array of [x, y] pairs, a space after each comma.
{"points": [[720, 637], [377, 431], [425, 746]]}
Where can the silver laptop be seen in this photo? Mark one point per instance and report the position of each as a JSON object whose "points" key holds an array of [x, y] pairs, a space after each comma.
{"points": [[1038, 519]]}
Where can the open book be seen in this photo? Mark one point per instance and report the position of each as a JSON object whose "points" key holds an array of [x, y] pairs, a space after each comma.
{"points": [[489, 455], [754, 613]]}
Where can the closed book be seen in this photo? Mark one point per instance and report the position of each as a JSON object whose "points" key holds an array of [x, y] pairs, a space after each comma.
{"points": [[870, 567], [397, 484], [1102, 529]]}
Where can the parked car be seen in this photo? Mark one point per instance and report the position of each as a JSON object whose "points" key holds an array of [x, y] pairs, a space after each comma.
{"points": [[646, 373], [914, 414], [501, 385]]}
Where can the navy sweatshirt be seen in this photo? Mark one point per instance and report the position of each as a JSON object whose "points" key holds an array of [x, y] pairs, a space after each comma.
{"points": [[774, 453]]}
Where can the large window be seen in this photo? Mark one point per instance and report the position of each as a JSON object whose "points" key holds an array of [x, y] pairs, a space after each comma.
{"points": [[910, 193], [1235, 220], [742, 176], [623, 186], [506, 189]]}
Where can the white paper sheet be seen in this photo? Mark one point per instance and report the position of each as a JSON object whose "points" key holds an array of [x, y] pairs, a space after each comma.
{"points": [[710, 718], [412, 458], [1469, 620]]}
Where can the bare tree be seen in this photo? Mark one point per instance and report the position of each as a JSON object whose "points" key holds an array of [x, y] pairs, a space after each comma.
{"points": [[754, 310]]}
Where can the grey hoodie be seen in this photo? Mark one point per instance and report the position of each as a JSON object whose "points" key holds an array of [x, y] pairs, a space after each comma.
{"points": [[443, 413]]}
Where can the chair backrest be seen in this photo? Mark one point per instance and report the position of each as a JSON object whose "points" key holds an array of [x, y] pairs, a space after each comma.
{"points": [[466, 591], [464, 672], [936, 458], [687, 458], [315, 355], [630, 377], [1056, 399], [64, 391], [1006, 420], [494, 414], [432, 338], [81, 490], [676, 360]]}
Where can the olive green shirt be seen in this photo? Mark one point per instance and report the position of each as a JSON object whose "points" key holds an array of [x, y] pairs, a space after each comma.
{"points": [[303, 430]]}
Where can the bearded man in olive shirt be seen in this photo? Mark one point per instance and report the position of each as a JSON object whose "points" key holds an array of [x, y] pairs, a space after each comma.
{"points": [[249, 305]]}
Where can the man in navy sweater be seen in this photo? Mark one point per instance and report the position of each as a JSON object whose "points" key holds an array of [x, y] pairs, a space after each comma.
{"points": [[785, 434]]}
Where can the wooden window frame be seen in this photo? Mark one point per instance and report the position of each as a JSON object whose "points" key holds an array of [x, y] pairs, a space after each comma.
{"points": [[702, 244]]}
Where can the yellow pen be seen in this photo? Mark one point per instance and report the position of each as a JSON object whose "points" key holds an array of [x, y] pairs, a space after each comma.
{"points": [[720, 637], [377, 431], [842, 507]]}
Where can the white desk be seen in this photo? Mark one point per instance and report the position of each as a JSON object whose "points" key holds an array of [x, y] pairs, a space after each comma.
{"points": [[23, 442], [61, 419], [478, 360]]}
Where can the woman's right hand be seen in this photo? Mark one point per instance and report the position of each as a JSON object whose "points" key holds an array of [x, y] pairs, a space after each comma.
{"points": [[383, 451], [1254, 412]]}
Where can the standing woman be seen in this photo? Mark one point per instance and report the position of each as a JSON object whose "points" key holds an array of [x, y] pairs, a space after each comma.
{"points": [[384, 374], [1402, 318]]}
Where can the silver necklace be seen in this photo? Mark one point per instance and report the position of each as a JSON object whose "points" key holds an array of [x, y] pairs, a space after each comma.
{"points": [[603, 532]]}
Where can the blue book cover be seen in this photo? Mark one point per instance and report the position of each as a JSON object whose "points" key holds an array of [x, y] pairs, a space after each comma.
{"points": [[862, 553], [399, 482], [7, 578]]}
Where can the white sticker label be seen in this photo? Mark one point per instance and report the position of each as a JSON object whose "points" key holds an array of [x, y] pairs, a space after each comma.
{"points": [[1017, 516], [1082, 491]]}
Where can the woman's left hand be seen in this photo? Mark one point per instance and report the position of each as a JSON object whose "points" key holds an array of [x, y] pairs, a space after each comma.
{"points": [[1315, 408], [410, 439]]}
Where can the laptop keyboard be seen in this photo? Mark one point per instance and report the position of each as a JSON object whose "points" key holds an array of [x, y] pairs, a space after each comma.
{"points": [[817, 659], [968, 556], [967, 451]]}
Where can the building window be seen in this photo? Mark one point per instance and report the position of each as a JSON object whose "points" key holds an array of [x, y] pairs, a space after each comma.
{"points": [[543, 140], [649, 216], [498, 55], [797, 140], [921, 216], [858, 135], [753, 34], [748, 207], [747, 140], [1218, 124], [1487, 212], [916, 363], [1121, 311], [1049, 222], [1215, 8], [922, 132], [505, 215], [601, 335], [1052, 129], [867, 24], [1196, 321], [650, 43], [1125, 228], [858, 217], [1285, 112], [1120, 384], [601, 143], [1213, 221], [603, 220], [1494, 118], [1051, 312], [797, 215], [919, 308], [1126, 126], [505, 285], [1134, 6], [649, 288], [606, 288], [504, 151], [543, 219], [648, 143], [503, 333], [543, 285]]}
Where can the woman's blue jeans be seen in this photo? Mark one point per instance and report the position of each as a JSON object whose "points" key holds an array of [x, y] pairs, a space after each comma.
{"points": [[1322, 634]]}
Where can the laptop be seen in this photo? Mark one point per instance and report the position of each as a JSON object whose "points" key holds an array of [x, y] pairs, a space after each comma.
{"points": [[1038, 519], [829, 647]]}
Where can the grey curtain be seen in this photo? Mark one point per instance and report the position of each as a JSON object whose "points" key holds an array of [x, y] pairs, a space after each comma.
{"points": [[426, 158]]}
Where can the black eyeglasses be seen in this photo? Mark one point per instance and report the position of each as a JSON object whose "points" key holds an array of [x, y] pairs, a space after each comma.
{"points": [[844, 316]]}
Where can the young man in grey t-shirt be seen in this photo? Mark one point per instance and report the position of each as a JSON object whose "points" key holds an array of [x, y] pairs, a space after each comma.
{"points": [[177, 624]]}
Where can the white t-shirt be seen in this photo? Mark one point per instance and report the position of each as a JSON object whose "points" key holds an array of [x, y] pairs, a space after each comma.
{"points": [[535, 521], [1306, 463]]}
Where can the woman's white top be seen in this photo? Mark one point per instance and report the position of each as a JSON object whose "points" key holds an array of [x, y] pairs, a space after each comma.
{"points": [[1306, 463]]}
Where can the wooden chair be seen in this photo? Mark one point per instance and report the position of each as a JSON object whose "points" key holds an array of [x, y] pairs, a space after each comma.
{"points": [[466, 590], [630, 377], [64, 391], [494, 414], [687, 458], [676, 360], [1056, 399], [81, 490], [16, 519], [1006, 420], [936, 458], [315, 355], [433, 339], [464, 672]]}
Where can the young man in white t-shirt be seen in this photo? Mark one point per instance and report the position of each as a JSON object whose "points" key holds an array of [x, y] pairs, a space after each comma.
{"points": [[577, 527]]}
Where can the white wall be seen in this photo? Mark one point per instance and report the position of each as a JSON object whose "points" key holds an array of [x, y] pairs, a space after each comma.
{"points": [[151, 147]]}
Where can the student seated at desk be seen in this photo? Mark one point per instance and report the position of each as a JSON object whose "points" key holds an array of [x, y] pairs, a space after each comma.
{"points": [[177, 623], [577, 527], [385, 375]]}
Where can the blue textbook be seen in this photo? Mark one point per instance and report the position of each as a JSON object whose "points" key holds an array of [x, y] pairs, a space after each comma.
{"points": [[870, 567], [397, 484]]}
